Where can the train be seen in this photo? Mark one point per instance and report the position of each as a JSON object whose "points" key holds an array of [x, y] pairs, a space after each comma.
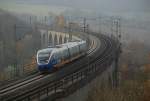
{"points": [[53, 58]]}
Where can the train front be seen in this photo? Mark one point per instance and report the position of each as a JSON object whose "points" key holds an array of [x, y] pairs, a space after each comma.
{"points": [[43, 60]]}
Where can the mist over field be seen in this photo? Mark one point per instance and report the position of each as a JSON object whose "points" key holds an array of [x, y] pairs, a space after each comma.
{"points": [[137, 12]]}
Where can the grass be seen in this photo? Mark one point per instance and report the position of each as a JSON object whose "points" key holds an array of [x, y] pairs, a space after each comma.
{"points": [[135, 89]]}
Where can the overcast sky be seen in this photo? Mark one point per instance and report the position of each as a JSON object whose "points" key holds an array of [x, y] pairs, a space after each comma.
{"points": [[135, 6], [125, 8]]}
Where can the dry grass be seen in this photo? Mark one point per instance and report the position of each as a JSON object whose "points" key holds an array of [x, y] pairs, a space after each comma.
{"points": [[131, 91], [137, 89]]}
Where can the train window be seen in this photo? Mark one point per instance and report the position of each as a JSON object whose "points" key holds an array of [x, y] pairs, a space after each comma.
{"points": [[43, 57], [59, 55], [65, 53], [62, 54], [56, 55], [53, 59]]}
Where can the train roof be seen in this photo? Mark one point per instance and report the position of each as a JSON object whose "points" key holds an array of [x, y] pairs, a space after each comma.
{"points": [[46, 50], [70, 44], [61, 46]]}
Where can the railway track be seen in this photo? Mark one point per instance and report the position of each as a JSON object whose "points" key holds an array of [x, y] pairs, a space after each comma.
{"points": [[82, 74], [8, 90], [14, 86], [34, 76]]}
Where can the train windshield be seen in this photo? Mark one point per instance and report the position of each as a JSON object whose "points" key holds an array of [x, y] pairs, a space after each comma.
{"points": [[43, 57]]}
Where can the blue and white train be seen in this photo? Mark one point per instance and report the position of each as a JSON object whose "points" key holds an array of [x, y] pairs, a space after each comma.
{"points": [[53, 58]]}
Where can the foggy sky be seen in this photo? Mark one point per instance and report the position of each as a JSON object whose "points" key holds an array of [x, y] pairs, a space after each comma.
{"points": [[95, 5]]}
